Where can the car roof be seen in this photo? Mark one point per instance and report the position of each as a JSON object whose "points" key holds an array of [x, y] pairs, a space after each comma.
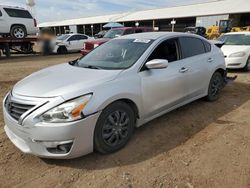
{"points": [[13, 7], [155, 35], [235, 33]]}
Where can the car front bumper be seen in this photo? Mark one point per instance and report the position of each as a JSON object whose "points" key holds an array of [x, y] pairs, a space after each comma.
{"points": [[236, 62], [41, 137]]}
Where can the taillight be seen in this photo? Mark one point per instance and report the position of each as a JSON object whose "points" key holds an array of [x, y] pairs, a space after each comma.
{"points": [[35, 23]]}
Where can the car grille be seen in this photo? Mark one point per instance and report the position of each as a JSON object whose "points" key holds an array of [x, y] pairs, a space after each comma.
{"points": [[89, 46], [15, 109]]}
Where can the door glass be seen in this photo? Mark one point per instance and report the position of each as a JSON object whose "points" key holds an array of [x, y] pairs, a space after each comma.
{"points": [[82, 37], [129, 31], [18, 13], [73, 38], [191, 46], [166, 50]]}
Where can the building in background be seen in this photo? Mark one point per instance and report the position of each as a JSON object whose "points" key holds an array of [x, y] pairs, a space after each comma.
{"points": [[203, 14]]}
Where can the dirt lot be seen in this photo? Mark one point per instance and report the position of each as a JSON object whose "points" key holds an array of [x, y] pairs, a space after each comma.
{"points": [[199, 145]]}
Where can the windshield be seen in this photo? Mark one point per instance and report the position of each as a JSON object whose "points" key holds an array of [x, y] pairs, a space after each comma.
{"points": [[236, 39], [62, 37], [113, 33], [116, 54]]}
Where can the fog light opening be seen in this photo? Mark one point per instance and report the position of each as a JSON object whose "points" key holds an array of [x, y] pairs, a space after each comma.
{"points": [[61, 149]]}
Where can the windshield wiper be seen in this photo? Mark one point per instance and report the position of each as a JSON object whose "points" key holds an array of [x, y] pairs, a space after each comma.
{"points": [[74, 62], [91, 67]]}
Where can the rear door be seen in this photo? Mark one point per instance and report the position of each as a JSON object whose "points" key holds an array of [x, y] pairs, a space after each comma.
{"points": [[73, 43], [81, 40], [195, 65], [163, 88]]}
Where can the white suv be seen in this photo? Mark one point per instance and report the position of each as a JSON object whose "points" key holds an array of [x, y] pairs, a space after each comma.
{"points": [[72, 42], [16, 22]]}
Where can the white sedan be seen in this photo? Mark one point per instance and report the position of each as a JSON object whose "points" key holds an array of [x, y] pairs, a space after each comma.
{"points": [[236, 49], [69, 43]]}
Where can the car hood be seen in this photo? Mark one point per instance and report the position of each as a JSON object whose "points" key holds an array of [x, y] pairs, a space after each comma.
{"points": [[60, 80], [229, 49]]}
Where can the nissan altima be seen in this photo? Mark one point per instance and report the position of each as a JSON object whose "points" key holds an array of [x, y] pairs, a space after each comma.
{"points": [[94, 103]]}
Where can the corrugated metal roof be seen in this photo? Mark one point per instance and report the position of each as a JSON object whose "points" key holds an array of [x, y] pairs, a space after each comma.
{"points": [[203, 9]]}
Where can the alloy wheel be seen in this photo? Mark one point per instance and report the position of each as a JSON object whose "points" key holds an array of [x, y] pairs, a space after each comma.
{"points": [[216, 86], [19, 33]]}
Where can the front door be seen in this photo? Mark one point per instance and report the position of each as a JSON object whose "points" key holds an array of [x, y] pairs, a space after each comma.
{"points": [[163, 88]]}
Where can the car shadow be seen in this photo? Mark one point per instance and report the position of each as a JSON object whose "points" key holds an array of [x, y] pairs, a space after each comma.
{"points": [[166, 132]]}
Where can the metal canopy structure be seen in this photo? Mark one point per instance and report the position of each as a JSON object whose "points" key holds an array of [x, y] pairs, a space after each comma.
{"points": [[218, 7]]}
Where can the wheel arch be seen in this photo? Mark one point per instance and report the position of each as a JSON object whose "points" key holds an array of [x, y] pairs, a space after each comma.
{"points": [[18, 24], [129, 102]]}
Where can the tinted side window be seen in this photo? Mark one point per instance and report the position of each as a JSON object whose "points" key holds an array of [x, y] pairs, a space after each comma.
{"points": [[207, 46], [18, 13], [166, 50], [138, 30], [191, 46], [82, 37], [73, 38], [129, 31]]}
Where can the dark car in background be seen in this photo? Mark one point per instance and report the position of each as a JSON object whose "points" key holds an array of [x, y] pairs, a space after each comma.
{"points": [[89, 45], [196, 30]]}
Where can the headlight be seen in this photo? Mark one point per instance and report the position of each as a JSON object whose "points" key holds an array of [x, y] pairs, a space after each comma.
{"points": [[237, 54], [66, 112], [96, 45]]}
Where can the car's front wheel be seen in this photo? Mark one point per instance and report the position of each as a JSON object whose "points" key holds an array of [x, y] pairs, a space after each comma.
{"points": [[62, 50], [114, 127], [18, 32], [215, 86]]}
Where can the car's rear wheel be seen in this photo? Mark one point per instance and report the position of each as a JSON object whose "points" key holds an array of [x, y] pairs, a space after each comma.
{"points": [[114, 127], [247, 66], [18, 31], [215, 86], [62, 50]]}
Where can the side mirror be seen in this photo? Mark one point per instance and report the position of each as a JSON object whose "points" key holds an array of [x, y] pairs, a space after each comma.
{"points": [[157, 64]]}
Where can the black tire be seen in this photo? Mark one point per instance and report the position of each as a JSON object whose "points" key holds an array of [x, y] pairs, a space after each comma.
{"points": [[18, 31], [114, 128], [215, 86], [62, 50], [247, 67]]}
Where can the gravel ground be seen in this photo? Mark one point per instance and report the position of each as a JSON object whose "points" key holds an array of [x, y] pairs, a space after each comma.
{"points": [[199, 145]]}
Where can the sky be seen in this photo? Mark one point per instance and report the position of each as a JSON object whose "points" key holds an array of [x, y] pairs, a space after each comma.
{"points": [[54, 10]]}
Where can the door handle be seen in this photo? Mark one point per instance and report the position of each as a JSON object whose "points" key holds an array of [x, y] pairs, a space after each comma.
{"points": [[210, 60], [183, 70]]}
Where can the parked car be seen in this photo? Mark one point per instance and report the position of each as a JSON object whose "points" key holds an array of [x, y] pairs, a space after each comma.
{"points": [[236, 48], [95, 102], [113, 33], [16, 22], [196, 30], [101, 34], [69, 43]]}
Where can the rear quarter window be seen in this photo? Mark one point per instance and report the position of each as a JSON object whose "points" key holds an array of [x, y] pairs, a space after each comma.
{"points": [[191, 46], [207, 46], [17, 13]]}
